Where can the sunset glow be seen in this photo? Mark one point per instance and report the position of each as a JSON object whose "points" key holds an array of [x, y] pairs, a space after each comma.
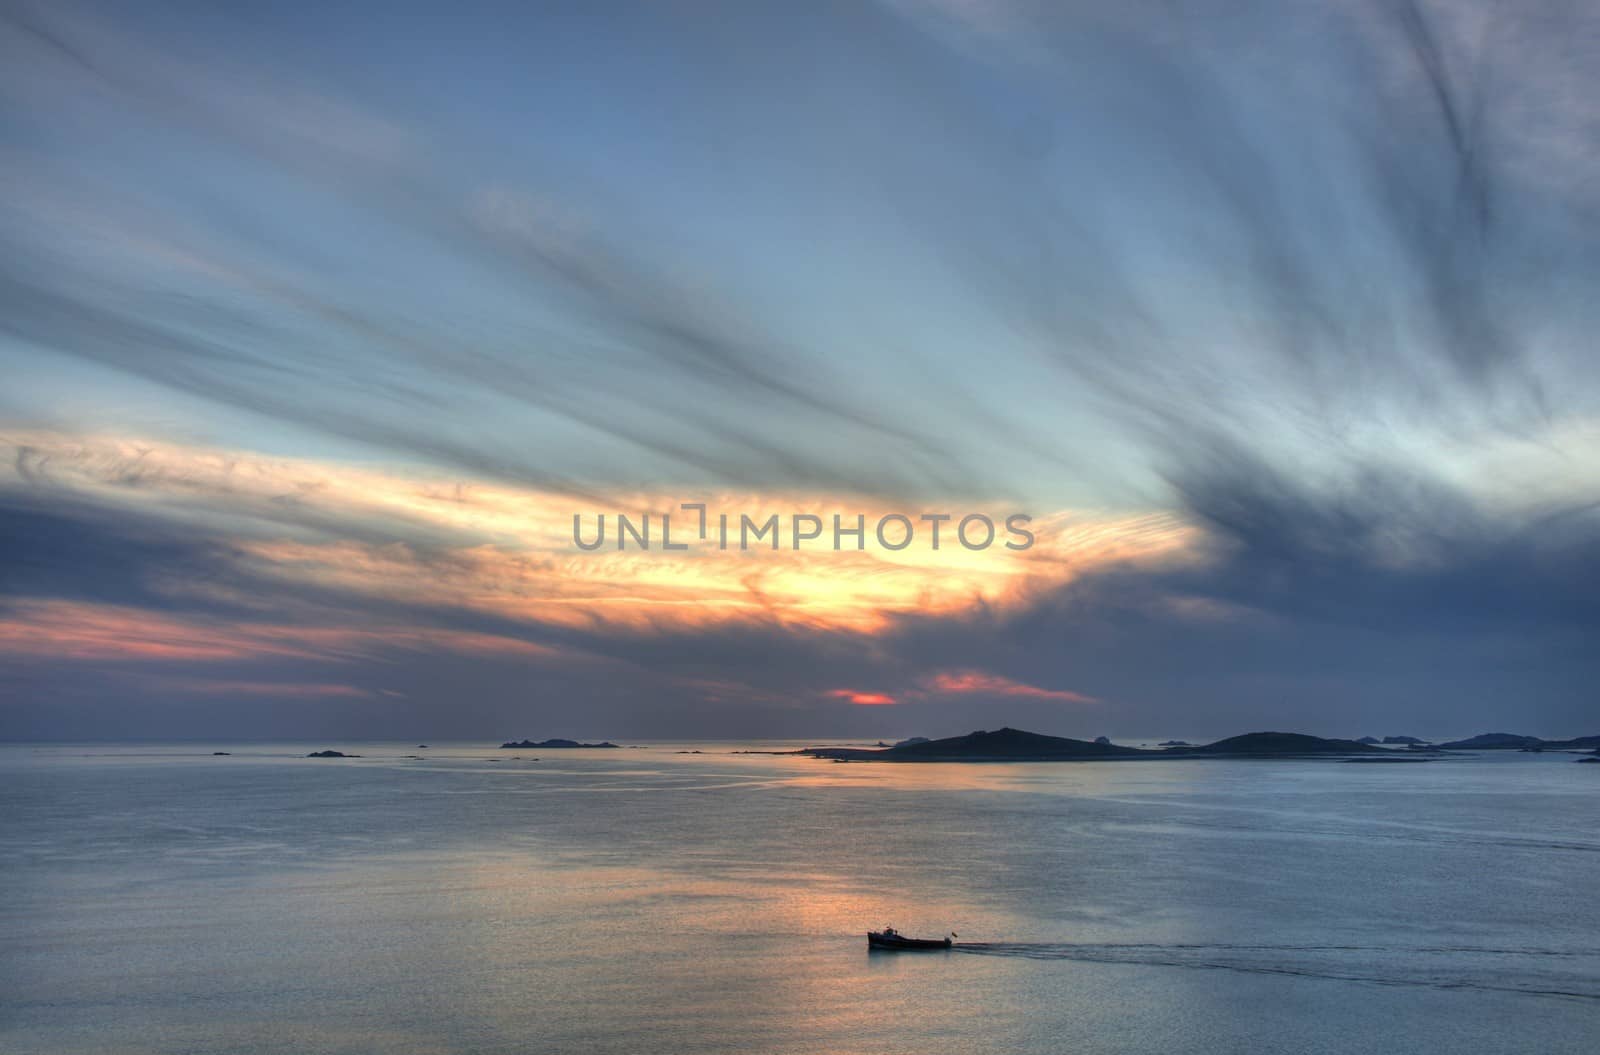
{"points": [[864, 699], [508, 552], [1220, 397]]}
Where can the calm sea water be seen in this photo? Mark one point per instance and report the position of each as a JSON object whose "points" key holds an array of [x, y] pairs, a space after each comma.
{"points": [[161, 899]]}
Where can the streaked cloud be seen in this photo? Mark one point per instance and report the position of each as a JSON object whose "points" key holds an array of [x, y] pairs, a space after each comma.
{"points": [[56, 629], [963, 682], [226, 689], [505, 551], [1280, 324], [863, 699]]}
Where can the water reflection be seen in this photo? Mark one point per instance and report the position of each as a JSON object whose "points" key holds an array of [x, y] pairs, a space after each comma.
{"points": [[719, 903]]}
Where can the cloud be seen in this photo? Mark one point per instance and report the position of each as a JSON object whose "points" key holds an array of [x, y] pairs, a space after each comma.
{"points": [[862, 699], [625, 305], [1189, 277], [963, 682], [69, 630], [959, 683], [1279, 323], [1285, 613], [277, 689], [476, 545]]}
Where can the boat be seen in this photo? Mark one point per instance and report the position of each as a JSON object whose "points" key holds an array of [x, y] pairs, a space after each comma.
{"points": [[889, 938]]}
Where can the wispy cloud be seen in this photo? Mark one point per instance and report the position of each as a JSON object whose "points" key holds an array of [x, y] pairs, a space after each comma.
{"points": [[978, 684], [968, 682], [226, 689], [862, 699], [68, 630], [505, 551], [1279, 323]]}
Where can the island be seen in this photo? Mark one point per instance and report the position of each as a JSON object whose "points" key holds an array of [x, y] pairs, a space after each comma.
{"points": [[1280, 745], [1514, 742], [1018, 745], [330, 754], [1010, 745], [554, 743]]}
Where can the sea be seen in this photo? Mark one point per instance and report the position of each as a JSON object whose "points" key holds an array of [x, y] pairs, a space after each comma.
{"points": [[687, 897]]}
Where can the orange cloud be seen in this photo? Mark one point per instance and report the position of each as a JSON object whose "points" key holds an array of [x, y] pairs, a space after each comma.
{"points": [[863, 699], [100, 632], [962, 682], [75, 630], [507, 551]]}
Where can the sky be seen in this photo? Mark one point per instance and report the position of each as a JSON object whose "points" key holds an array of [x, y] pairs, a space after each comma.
{"points": [[319, 323]]}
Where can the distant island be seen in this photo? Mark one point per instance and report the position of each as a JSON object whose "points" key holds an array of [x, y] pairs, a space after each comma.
{"points": [[554, 743], [1009, 745], [330, 754], [1280, 744], [1018, 745], [1513, 742]]}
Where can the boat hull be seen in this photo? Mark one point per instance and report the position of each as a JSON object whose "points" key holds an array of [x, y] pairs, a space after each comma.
{"points": [[896, 943]]}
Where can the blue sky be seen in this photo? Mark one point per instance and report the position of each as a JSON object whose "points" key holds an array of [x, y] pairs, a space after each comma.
{"points": [[1309, 285]]}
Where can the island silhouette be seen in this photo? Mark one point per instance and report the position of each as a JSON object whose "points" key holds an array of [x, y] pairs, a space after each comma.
{"points": [[554, 743], [1019, 745]]}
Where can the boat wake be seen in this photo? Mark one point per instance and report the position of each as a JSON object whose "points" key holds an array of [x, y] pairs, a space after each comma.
{"points": [[1571, 975]]}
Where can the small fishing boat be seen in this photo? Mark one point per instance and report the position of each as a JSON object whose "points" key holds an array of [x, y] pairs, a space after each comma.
{"points": [[889, 938]]}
